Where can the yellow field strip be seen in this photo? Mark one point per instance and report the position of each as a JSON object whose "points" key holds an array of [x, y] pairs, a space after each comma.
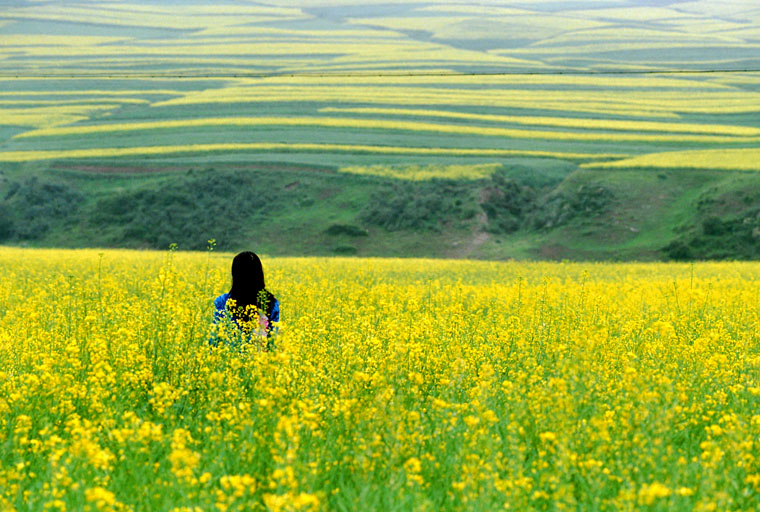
{"points": [[565, 122], [44, 117], [396, 53], [746, 159], [251, 49], [374, 124], [209, 9], [146, 20], [20, 42], [104, 78], [475, 10], [267, 39], [280, 31], [76, 64], [426, 172], [603, 81], [83, 101], [94, 92], [669, 102], [592, 48], [28, 156]]}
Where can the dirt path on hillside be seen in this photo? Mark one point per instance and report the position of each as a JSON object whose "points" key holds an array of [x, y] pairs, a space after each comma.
{"points": [[466, 248]]}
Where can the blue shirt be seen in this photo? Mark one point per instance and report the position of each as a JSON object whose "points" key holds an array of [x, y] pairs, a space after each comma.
{"points": [[221, 313]]}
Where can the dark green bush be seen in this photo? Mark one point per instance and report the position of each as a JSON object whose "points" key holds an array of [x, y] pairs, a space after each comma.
{"points": [[538, 174], [678, 250], [416, 205], [720, 238], [714, 226], [189, 210], [6, 222], [560, 207], [346, 230], [35, 205], [506, 203], [345, 250]]}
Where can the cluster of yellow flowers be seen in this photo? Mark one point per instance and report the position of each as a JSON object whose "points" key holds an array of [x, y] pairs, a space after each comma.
{"points": [[410, 384]]}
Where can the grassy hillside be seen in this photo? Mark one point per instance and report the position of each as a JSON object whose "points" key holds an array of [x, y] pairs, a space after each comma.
{"points": [[523, 209]]}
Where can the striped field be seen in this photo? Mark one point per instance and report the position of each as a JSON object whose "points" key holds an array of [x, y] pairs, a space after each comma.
{"points": [[319, 84]]}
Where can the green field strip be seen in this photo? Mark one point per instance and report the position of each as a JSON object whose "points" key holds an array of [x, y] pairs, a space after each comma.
{"points": [[26, 156], [521, 81], [255, 47], [340, 137], [7, 133], [611, 125], [316, 159], [619, 102], [378, 124], [271, 135], [301, 108], [75, 64]]}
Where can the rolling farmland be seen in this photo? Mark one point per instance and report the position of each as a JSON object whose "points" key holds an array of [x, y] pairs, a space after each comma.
{"points": [[108, 102], [136, 82], [425, 131]]}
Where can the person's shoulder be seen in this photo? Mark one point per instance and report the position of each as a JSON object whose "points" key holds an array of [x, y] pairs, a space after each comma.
{"points": [[274, 304], [221, 301]]}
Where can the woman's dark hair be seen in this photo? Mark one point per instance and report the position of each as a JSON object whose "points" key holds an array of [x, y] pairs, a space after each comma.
{"points": [[248, 288]]}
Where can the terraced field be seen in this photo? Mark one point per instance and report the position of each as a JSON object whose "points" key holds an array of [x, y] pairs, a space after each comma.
{"points": [[388, 84]]}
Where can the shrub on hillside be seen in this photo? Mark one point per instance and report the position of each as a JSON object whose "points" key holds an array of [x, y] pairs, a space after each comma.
{"points": [[416, 205], [506, 203], [223, 205], [35, 205], [346, 230], [6, 222], [562, 206]]}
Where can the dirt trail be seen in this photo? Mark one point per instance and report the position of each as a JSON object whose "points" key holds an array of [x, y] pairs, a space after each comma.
{"points": [[467, 248]]}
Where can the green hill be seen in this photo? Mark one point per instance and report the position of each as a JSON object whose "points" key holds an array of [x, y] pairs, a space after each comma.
{"points": [[525, 209]]}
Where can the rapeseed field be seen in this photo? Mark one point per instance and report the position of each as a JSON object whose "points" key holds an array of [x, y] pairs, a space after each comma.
{"points": [[745, 159], [29, 156], [395, 384], [732, 133]]}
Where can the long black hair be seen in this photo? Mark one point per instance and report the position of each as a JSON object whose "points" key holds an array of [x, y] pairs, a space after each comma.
{"points": [[248, 287]]}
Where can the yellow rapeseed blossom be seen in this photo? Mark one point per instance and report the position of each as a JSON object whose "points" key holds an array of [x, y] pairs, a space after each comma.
{"points": [[399, 125], [35, 155], [435, 385], [746, 159]]}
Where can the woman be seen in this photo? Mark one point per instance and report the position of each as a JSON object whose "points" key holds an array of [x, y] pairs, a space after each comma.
{"points": [[248, 311]]}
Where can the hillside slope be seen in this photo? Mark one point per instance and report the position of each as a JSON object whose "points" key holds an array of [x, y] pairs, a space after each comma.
{"points": [[540, 209]]}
